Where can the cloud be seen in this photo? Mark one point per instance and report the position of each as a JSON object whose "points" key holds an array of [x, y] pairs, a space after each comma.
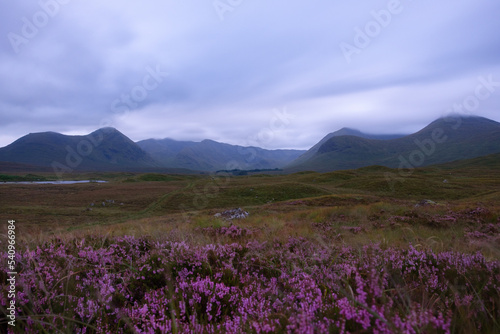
{"points": [[225, 77]]}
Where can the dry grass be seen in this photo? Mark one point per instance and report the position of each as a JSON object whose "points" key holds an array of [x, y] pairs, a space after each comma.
{"points": [[329, 210], [334, 206]]}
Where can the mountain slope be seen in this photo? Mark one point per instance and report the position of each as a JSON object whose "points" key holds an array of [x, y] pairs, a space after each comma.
{"points": [[444, 140], [342, 132], [104, 149], [164, 150], [210, 155], [490, 163]]}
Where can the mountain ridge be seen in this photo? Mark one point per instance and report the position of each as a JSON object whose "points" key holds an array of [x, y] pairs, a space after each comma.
{"points": [[109, 149], [211, 155], [443, 140], [105, 148], [446, 139], [342, 132]]}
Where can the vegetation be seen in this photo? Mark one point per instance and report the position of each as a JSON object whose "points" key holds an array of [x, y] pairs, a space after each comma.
{"points": [[444, 140], [239, 172], [348, 251], [104, 149], [19, 178]]}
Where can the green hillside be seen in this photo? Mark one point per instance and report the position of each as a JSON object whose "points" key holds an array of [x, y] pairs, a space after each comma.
{"points": [[342, 132], [210, 155], [104, 149], [444, 140]]}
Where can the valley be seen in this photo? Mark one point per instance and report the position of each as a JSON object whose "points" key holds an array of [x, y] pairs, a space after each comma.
{"points": [[455, 137], [262, 167], [258, 251]]}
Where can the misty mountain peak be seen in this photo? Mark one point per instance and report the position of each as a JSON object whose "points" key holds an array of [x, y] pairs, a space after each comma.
{"points": [[348, 132], [107, 130]]}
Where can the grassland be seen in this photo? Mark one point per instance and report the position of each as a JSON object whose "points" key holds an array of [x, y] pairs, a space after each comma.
{"points": [[438, 212], [142, 204]]}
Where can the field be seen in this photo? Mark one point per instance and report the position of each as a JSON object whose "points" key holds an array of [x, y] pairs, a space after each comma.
{"points": [[359, 251]]}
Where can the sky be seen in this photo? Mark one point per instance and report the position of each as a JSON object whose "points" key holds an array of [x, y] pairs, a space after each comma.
{"points": [[273, 74]]}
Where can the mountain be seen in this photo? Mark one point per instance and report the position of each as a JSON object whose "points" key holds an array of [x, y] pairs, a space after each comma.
{"points": [[164, 150], [104, 149], [342, 132], [482, 164], [108, 149], [210, 155], [444, 140]]}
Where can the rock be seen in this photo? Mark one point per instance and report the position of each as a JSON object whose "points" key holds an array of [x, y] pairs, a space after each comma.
{"points": [[232, 214], [425, 202]]}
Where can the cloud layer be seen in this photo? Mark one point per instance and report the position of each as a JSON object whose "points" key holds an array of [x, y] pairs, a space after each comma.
{"points": [[226, 70]]}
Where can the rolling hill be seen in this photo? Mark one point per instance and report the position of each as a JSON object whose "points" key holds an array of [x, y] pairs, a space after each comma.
{"points": [[489, 162], [444, 140]]}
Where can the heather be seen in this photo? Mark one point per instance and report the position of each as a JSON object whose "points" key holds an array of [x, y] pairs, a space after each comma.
{"points": [[147, 285], [340, 252]]}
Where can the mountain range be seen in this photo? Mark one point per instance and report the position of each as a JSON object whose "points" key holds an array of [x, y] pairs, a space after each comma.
{"points": [[444, 140], [210, 155], [107, 149], [104, 149], [342, 132]]}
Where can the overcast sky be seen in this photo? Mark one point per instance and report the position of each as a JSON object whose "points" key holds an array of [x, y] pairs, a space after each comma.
{"points": [[275, 74]]}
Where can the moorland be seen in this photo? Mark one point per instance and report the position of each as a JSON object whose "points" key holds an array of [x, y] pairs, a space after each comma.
{"points": [[364, 250]]}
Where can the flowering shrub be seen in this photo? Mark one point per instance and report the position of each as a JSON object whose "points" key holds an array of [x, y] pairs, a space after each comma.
{"points": [[232, 232], [127, 285], [478, 216]]}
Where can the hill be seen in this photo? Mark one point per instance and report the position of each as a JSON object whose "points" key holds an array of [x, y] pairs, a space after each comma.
{"points": [[164, 150], [342, 132], [210, 155], [108, 149], [484, 163], [104, 149], [444, 140]]}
